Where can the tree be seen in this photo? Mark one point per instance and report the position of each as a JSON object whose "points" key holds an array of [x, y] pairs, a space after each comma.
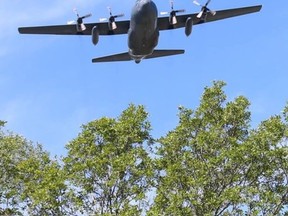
{"points": [[44, 185], [213, 163], [2, 123], [30, 182], [13, 150], [109, 166]]}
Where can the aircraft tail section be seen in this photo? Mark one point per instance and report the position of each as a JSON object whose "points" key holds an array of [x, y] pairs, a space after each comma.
{"points": [[126, 57], [163, 53], [112, 58]]}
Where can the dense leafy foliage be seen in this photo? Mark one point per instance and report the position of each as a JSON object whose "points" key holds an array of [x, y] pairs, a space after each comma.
{"points": [[212, 163], [109, 166], [29, 180]]}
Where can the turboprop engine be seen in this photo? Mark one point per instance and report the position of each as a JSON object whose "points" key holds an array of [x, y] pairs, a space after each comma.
{"points": [[112, 20], [173, 14], [80, 26]]}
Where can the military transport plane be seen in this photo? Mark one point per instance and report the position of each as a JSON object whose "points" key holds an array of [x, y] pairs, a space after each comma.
{"points": [[142, 29]]}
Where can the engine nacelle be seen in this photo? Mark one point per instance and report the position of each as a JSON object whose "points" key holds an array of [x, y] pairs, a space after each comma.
{"points": [[188, 26], [112, 25], [95, 35], [80, 27]]}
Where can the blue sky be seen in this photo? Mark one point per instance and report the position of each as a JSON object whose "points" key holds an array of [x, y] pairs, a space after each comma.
{"points": [[49, 87]]}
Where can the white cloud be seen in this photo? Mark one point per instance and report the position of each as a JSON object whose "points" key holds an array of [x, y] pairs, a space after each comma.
{"points": [[15, 13]]}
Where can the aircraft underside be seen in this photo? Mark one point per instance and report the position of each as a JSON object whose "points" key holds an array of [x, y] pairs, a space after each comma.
{"points": [[142, 28]]}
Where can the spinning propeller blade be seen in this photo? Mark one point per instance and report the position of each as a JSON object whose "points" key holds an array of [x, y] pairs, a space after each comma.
{"points": [[200, 15], [80, 27], [111, 19], [204, 9], [79, 18], [196, 3], [173, 13], [86, 16]]}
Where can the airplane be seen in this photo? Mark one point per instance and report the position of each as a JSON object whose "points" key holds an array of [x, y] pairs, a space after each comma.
{"points": [[143, 28]]}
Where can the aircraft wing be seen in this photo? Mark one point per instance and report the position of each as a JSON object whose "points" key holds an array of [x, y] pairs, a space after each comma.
{"points": [[163, 22], [122, 28]]}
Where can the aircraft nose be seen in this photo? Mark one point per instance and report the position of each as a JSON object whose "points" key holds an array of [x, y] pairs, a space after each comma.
{"points": [[148, 3], [148, 6]]}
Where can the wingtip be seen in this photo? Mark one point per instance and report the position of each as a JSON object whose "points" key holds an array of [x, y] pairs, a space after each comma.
{"points": [[257, 8], [23, 30], [20, 30], [260, 7]]}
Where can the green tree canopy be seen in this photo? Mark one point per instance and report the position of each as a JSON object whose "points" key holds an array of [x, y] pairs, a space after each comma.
{"points": [[214, 163], [109, 165], [30, 182], [14, 149]]}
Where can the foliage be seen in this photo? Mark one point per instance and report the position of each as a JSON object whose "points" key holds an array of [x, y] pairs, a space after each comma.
{"points": [[109, 166], [29, 181], [213, 163], [2, 123], [44, 188], [14, 149]]}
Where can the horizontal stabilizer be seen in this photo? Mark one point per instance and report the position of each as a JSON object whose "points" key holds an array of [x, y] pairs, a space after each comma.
{"points": [[112, 58], [162, 53], [126, 57]]}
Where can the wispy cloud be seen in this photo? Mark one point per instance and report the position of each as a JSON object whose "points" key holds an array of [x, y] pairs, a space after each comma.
{"points": [[15, 13]]}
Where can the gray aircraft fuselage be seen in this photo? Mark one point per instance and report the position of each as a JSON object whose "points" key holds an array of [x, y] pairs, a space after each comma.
{"points": [[143, 33]]}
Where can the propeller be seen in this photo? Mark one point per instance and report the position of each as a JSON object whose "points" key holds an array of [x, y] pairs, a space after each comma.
{"points": [[172, 18], [80, 25], [204, 9], [112, 19]]}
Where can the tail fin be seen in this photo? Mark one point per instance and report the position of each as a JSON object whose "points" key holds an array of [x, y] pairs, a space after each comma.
{"points": [[126, 57]]}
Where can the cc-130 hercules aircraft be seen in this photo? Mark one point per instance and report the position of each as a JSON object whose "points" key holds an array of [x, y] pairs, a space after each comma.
{"points": [[142, 29]]}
